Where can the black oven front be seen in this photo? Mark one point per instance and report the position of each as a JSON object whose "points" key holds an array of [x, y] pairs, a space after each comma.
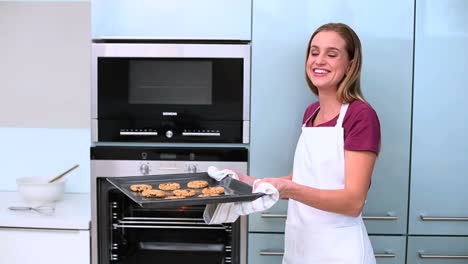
{"points": [[171, 92], [130, 234]]}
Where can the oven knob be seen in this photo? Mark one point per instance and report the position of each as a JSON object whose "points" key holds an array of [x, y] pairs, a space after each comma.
{"points": [[169, 133], [144, 169]]}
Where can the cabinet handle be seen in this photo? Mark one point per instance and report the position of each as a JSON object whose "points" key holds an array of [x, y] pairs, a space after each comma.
{"points": [[273, 215], [279, 253], [364, 217], [432, 218], [432, 256], [380, 217], [271, 253], [385, 255]]}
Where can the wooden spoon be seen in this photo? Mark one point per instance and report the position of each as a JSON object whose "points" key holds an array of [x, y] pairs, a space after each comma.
{"points": [[63, 174]]}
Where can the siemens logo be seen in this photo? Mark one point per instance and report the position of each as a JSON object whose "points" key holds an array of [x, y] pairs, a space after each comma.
{"points": [[169, 113]]}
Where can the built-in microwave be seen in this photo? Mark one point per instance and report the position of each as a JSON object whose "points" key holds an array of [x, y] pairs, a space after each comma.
{"points": [[170, 91]]}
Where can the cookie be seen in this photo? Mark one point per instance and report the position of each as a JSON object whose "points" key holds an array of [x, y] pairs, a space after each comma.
{"points": [[209, 194], [213, 190], [184, 192], [169, 186], [197, 184], [174, 197], [153, 193], [140, 187]]}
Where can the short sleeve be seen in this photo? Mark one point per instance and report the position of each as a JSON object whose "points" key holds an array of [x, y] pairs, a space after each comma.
{"points": [[363, 131]]}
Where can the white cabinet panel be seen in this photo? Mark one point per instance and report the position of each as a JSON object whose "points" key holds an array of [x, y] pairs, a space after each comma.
{"points": [[45, 64], [31, 246]]}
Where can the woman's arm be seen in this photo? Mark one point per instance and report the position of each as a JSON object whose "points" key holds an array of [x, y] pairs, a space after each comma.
{"points": [[249, 179], [349, 201]]}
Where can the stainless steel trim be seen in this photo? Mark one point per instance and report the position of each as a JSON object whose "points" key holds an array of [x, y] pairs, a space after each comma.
{"points": [[274, 215], [167, 227], [243, 239], [432, 256], [173, 50], [433, 218], [200, 134], [94, 81], [246, 132], [164, 38], [271, 253], [127, 133], [94, 130], [247, 60], [380, 218], [385, 255]]}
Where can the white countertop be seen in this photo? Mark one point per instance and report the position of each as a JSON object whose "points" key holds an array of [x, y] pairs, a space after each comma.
{"points": [[72, 212]]}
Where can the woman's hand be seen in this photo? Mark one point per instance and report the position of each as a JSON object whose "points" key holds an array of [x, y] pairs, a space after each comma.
{"points": [[243, 177], [283, 185]]}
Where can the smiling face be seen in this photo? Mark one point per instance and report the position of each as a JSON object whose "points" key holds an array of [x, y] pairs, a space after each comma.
{"points": [[328, 61]]}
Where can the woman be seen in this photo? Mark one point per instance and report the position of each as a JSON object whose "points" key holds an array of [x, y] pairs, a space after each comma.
{"points": [[334, 158]]}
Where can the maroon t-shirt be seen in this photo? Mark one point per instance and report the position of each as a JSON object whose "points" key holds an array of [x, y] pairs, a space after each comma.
{"points": [[361, 126]]}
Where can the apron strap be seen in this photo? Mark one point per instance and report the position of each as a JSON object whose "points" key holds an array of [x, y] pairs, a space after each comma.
{"points": [[344, 108]]}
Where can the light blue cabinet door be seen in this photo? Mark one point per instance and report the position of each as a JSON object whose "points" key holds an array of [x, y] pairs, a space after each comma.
{"points": [[386, 32], [432, 250], [440, 147], [271, 220], [188, 19], [265, 248], [280, 95], [269, 249], [389, 249]]}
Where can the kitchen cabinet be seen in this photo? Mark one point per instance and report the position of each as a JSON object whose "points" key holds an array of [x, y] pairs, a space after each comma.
{"points": [[45, 70], [176, 19], [30, 237], [447, 250], [280, 95], [20, 246], [269, 249], [439, 200]]}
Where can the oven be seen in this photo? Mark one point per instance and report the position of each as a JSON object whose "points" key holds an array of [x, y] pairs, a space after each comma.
{"points": [[124, 232], [145, 91]]}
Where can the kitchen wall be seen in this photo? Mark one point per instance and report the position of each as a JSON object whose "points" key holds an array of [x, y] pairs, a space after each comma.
{"points": [[44, 87]]}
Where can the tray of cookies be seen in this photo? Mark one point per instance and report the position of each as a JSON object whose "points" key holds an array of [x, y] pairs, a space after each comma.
{"points": [[154, 191]]}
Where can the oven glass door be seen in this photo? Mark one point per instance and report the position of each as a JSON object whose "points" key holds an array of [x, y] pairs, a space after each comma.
{"points": [[132, 88]]}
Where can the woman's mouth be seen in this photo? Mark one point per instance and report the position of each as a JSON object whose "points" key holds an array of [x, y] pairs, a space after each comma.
{"points": [[320, 72]]}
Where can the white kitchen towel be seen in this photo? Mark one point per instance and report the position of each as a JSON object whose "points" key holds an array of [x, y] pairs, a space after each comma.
{"points": [[229, 212]]}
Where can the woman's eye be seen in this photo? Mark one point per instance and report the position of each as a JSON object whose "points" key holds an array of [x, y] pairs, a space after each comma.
{"points": [[332, 55], [314, 54]]}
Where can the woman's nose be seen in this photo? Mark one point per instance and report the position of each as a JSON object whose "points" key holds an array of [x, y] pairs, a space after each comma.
{"points": [[320, 60]]}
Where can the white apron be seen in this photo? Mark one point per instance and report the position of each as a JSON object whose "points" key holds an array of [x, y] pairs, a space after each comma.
{"points": [[314, 236]]}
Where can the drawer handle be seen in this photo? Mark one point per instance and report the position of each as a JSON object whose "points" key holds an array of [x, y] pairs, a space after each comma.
{"points": [[431, 256], [364, 217], [380, 218], [385, 255], [271, 253], [273, 215], [278, 253], [432, 218]]}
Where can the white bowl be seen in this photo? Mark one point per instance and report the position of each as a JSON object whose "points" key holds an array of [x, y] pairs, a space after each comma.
{"points": [[37, 189]]}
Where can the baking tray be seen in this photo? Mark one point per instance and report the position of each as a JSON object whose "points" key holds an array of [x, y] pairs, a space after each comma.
{"points": [[234, 190]]}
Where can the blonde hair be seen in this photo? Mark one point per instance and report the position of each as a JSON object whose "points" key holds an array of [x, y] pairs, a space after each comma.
{"points": [[349, 88]]}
